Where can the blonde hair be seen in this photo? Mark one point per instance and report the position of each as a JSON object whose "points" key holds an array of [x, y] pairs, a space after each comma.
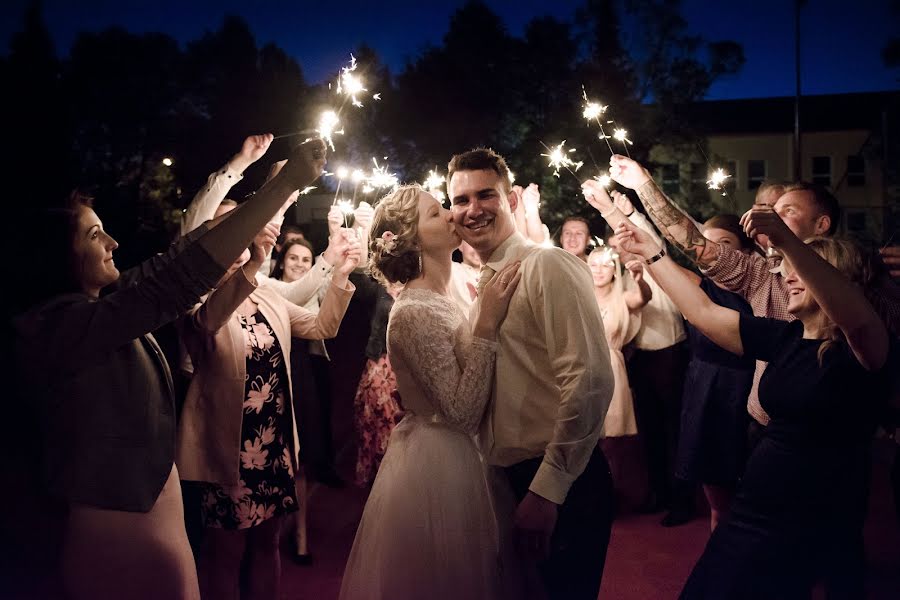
{"points": [[846, 257], [399, 260]]}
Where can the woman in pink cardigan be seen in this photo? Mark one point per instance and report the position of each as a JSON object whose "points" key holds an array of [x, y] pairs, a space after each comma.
{"points": [[237, 433]]}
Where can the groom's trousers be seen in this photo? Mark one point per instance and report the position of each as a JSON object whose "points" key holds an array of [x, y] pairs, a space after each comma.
{"points": [[579, 542]]}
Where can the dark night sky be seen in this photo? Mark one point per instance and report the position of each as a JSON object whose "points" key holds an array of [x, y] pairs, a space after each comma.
{"points": [[841, 40]]}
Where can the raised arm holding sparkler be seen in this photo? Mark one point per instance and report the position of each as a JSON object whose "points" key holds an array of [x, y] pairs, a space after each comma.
{"points": [[672, 222]]}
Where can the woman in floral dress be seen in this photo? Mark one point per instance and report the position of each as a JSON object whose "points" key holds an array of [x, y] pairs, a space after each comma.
{"points": [[375, 411], [237, 433]]}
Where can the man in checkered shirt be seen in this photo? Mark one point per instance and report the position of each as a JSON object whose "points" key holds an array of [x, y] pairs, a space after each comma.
{"points": [[809, 210]]}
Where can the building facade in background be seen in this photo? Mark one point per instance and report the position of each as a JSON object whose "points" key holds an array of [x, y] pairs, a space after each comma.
{"points": [[849, 143]]}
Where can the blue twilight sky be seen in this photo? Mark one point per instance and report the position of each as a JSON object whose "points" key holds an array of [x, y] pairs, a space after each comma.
{"points": [[841, 41]]}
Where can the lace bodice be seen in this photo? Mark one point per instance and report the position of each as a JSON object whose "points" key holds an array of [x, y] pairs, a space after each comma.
{"points": [[442, 370]]}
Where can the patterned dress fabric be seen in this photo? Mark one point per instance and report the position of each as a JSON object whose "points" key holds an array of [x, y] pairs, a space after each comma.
{"points": [[266, 486], [375, 414]]}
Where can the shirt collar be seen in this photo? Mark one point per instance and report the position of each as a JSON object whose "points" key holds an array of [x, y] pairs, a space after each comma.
{"points": [[511, 249]]}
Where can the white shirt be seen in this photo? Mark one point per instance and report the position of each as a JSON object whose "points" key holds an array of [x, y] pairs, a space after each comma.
{"points": [[662, 325]]}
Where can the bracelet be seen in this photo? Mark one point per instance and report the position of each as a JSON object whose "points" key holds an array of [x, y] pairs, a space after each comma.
{"points": [[655, 257]]}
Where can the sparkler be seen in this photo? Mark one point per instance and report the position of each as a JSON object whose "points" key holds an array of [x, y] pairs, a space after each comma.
{"points": [[357, 177], [622, 135], [559, 158], [593, 111], [380, 178], [346, 207], [717, 180], [341, 173], [433, 185], [351, 85], [604, 179]]}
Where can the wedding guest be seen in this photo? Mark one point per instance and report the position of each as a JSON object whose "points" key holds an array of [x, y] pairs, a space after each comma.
{"points": [[107, 414], [799, 510], [238, 432], [620, 308]]}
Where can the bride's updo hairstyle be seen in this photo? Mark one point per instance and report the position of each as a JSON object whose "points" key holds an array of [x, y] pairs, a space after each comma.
{"points": [[394, 255]]}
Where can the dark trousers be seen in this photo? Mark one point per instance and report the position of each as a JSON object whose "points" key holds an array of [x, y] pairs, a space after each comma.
{"points": [[657, 378], [579, 542]]}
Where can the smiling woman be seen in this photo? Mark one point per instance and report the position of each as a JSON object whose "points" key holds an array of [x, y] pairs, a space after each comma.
{"points": [[102, 392], [799, 509]]}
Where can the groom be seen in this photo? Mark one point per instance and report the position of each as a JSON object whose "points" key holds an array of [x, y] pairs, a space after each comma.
{"points": [[552, 387]]}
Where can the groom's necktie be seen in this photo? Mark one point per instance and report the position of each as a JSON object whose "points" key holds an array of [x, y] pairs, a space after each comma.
{"points": [[484, 277], [486, 274]]}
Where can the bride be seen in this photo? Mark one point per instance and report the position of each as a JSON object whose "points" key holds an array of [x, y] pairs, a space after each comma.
{"points": [[430, 526]]}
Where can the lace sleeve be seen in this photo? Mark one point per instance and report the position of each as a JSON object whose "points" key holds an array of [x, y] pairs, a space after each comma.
{"points": [[424, 339]]}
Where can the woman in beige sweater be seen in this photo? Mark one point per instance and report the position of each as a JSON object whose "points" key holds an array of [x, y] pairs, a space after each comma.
{"points": [[237, 432]]}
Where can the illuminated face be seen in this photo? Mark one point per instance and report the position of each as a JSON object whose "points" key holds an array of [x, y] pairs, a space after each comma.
{"points": [[436, 232], [799, 212], [603, 269], [723, 237], [297, 262], [92, 250], [575, 237], [482, 207], [801, 302]]}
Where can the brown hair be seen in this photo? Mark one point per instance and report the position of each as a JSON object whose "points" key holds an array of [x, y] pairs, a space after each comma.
{"points": [[731, 224], [59, 225], [824, 200], [480, 159], [400, 260], [278, 267]]}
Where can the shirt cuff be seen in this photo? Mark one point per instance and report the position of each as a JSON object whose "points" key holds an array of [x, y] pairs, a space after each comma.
{"points": [[230, 173], [551, 483], [349, 287]]}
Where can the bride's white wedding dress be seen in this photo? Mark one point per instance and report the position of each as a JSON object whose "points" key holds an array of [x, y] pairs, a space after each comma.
{"points": [[429, 528]]}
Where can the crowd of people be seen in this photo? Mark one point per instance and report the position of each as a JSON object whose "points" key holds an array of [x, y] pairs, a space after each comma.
{"points": [[511, 404]]}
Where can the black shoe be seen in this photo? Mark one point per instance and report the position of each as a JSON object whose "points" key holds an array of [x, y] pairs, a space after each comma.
{"points": [[676, 517]]}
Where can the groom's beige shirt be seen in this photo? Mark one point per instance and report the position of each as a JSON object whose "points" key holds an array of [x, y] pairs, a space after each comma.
{"points": [[553, 382]]}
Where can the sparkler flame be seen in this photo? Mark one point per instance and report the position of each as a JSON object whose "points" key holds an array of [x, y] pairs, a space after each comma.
{"points": [[433, 184], [380, 178], [351, 85], [559, 159], [346, 207], [604, 179], [717, 179], [327, 127], [621, 135], [593, 110]]}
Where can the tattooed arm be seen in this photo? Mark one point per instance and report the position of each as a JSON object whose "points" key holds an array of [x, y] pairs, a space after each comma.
{"points": [[672, 222]]}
